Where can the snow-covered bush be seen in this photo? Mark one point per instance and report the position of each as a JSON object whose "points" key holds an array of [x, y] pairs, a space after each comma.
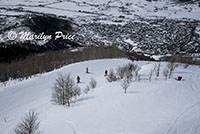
{"points": [[64, 90], [111, 76], [93, 83], [87, 89], [29, 124], [129, 71], [120, 72]]}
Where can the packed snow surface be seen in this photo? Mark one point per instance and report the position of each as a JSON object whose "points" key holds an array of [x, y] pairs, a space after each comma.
{"points": [[156, 107]]}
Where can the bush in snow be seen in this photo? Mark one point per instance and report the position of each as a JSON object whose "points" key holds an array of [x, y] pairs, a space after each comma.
{"points": [[136, 72], [186, 66], [111, 76], [171, 66], [139, 77], [128, 76], [165, 73], [125, 84], [120, 72], [169, 69], [64, 90], [93, 83], [29, 124], [157, 69], [128, 71], [87, 89], [150, 75]]}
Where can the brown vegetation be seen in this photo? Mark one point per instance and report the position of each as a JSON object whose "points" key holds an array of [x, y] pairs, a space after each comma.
{"points": [[51, 60]]}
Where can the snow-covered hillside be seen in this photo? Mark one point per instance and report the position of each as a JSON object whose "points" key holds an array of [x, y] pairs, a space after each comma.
{"points": [[129, 8], [157, 107], [153, 27]]}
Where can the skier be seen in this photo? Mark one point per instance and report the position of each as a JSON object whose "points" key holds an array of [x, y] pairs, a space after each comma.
{"points": [[106, 72], [87, 70], [78, 79]]}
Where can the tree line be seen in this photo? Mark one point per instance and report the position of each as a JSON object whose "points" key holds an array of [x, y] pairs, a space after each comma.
{"points": [[48, 61]]}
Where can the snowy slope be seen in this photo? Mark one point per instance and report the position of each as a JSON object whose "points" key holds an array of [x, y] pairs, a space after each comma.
{"points": [[159, 107]]}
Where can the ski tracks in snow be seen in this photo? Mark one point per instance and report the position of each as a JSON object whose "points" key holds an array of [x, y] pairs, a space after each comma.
{"points": [[195, 88]]}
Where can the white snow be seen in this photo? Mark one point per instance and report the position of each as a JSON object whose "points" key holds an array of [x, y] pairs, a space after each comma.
{"points": [[157, 107]]}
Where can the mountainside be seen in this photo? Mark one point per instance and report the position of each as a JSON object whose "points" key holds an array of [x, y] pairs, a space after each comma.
{"points": [[151, 27]]}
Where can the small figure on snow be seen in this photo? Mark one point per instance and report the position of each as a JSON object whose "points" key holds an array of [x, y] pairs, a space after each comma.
{"points": [[78, 79], [87, 70], [106, 72]]}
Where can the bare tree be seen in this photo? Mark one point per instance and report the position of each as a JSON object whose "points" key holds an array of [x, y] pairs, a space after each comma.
{"points": [[128, 75], [165, 73], [125, 84], [157, 69], [136, 71], [171, 66], [64, 90], [29, 125], [93, 83], [150, 74]]}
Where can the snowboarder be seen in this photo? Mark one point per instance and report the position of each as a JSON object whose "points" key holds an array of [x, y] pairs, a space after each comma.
{"points": [[106, 72], [78, 79], [87, 70]]}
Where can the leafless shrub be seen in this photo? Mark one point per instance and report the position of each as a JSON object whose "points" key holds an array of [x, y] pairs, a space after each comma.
{"points": [[165, 73], [129, 71], [120, 72], [64, 90], [125, 84], [128, 75], [150, 74], [93, 83], [157, 69], [111, 76], [186, 66], [136, 71], [171, 66], [139, 77], [87, 89], [76, 92], [29, 125]]}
